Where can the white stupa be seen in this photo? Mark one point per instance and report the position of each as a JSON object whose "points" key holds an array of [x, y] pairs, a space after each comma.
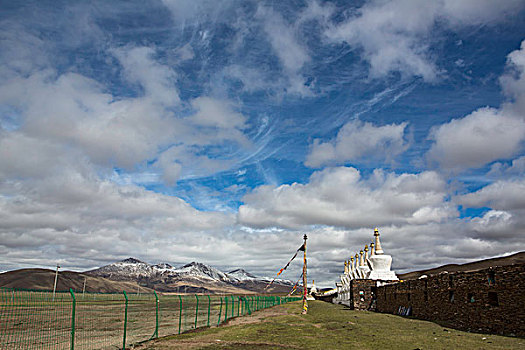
{"points": [[313, 290], [363, 266], [356, 266], [381, 263]]}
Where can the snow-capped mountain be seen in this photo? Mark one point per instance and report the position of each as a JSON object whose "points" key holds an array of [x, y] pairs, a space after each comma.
{"points": [[126, 270], [241, 275], [196, 276], [199, 270], [163, 266]]}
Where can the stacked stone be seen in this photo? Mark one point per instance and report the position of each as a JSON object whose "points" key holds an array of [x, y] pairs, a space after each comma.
{"points": [[489, 300]]}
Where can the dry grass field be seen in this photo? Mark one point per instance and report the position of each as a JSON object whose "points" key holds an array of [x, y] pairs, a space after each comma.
{"points": [[39, 320]]}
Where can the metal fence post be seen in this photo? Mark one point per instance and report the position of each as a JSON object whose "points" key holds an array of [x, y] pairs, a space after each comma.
{"points": [[238, 306], [156, 333], [233, 305], [220, 313], [225, 308], [241, 304], [196, 310], [73, 312], [180, 313], [209, 308], [125, 321]]}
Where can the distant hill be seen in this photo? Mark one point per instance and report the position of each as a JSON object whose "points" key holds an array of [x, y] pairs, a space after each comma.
{"points": [[43, 279], [131, 274], [191, 278], [518, 258]]}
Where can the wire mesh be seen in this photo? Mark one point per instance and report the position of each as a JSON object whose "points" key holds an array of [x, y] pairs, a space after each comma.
{"points": [[169, 310], [141, 318], [39, 320], [35, 320]]}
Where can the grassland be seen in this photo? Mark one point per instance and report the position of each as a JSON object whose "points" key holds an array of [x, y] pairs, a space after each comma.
{"points": [[328, 326]]}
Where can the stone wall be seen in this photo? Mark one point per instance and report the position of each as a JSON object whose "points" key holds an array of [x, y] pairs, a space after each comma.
{"points": [[362, 294], [490, 300]]}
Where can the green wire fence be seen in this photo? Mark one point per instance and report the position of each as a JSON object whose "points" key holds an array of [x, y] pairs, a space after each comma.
{"points": [[39, 320]]}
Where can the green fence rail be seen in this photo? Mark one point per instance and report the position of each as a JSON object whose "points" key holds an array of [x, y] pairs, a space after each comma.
{"points": [[34, 320]]}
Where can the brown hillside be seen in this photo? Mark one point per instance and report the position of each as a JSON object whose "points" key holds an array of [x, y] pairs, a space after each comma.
{"points": [[43, 279], [518, 258]]}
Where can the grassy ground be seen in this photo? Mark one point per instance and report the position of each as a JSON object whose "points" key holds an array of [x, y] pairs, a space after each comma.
{"points": [[329, 326]]}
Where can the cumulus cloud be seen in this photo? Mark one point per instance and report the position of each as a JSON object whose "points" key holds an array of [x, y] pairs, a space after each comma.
{"points": [[513, 82], [493, 225], [501, 170], [74, 214], [503, 194], [70, 113], [58, 191], [505, 219], [74, 111], [358, 140], [394, 36], [487, 134], [342, 197], [221, 116], [481, 137]]}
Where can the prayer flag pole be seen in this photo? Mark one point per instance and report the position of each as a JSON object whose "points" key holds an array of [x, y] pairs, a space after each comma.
{"points": [[305, 285]]}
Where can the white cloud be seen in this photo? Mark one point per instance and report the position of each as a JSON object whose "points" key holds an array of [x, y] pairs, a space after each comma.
{"points": [[71, 114], [515, 169], [214, 123], [71, 213], [478, 12], [75, 112], [493, 225], [358, 140], [506, 219], [481, 137], [158, 81], [389, 33], [503, 194], [58, 190], [395, 35], [487, 134], [217, 114], [513, 82], [291, 53], [341, 197]]}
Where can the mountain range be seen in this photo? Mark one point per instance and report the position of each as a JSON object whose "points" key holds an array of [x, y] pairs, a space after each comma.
{"points": [[133, 274], [194, 277]]}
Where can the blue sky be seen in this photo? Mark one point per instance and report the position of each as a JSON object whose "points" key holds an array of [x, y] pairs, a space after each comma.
{"points": [[221, 131]]}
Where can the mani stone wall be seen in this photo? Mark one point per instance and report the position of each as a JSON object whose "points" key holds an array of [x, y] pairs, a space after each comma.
{"points": [[490, 300], [362, 293]]}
